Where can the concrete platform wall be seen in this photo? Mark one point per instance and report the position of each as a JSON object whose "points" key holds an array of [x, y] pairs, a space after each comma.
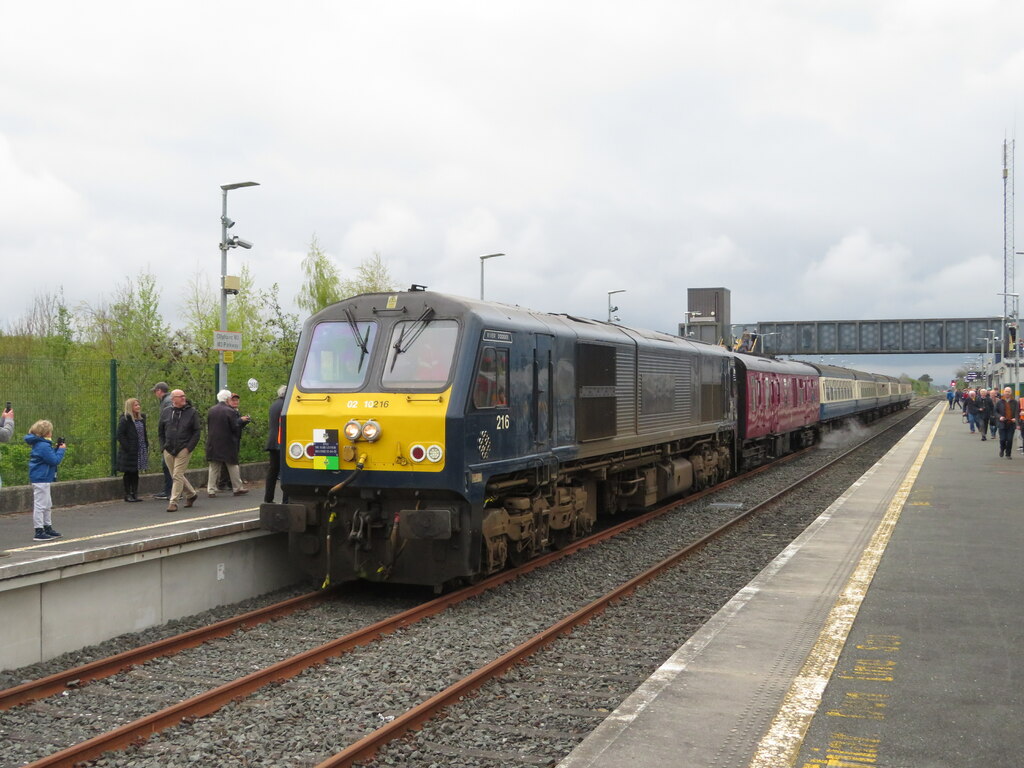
{"points": [[53, 612]]}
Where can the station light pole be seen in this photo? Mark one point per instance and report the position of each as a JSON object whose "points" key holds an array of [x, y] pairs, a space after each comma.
{"points": [[226, 243], [482, 260], [1011, 333], [610, 307]]}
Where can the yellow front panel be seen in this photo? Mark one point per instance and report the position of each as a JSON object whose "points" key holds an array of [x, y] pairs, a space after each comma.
{"points": [[412, 430]]}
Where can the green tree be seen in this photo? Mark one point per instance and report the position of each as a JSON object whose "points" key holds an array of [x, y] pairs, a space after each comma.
{"points": [[372, 276], [322, 285]]}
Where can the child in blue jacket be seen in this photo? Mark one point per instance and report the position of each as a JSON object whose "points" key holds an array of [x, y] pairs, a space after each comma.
{"points": [[42, 471]]}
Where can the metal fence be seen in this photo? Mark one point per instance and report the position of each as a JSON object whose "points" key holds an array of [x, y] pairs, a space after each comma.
{"points": [[84, 399]]}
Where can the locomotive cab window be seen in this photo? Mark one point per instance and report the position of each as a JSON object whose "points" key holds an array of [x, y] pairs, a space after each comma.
{"points": [[491, 388], [338, 356], [420, 354]]}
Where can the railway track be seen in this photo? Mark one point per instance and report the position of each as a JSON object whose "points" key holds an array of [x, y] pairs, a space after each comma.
{"points": [[466, 632]]}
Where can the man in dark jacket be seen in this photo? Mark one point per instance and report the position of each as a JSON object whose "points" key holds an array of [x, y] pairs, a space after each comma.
{"points": [[986, 412], [163, 394], [179, 436], [1007, 415], [274, 447], [223, 433]]}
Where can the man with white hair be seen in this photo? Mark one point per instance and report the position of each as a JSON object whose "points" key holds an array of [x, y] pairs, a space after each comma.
{"points": [[179, 436], [223, 432]]}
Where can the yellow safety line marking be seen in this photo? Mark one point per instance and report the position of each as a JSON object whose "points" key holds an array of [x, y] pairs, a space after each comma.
{"points": [[781, 745], [176, 521]]}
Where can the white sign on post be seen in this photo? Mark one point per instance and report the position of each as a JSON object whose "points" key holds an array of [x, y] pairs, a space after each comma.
{"points": [[229, 341]]}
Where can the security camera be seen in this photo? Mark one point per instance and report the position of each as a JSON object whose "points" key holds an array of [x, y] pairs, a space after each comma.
{"points": [[236, 240], [228, 223]]}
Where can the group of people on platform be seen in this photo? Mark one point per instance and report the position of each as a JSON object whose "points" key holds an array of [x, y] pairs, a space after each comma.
{"points": [[178, 431], [990, 412]]}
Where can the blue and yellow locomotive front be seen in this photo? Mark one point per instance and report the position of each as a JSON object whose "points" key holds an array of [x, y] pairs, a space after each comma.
{"points": [[372, 448]]}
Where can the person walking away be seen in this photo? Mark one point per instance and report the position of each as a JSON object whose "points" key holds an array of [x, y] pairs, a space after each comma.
{"points": [[163, 394], [958, 399], [179, 435], [274, 447], [6, 429], [42, 472], [1007, 414], [949, 397], [132, 447], [223, 436], [993, 422]]}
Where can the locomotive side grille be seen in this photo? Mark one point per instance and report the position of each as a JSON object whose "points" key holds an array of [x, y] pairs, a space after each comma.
{"points": [[667, 399]]}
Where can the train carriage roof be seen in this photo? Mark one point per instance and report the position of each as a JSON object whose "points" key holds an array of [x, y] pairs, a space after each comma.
{"points": [[774, 365]]}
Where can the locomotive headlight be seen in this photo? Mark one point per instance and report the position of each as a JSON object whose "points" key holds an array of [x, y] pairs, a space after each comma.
{"points": [[352, 430], [296, 450], [371, 430], [434, 453]]}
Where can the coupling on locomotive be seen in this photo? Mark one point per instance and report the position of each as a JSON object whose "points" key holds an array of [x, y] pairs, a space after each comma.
{"points": [[431, 439]]}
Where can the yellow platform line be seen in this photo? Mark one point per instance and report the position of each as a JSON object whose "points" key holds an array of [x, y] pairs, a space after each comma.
{"points": [[780, 746], [176, 521]]}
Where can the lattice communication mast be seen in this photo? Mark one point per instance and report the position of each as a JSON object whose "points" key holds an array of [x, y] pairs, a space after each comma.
{"points": [[1009, 307]]}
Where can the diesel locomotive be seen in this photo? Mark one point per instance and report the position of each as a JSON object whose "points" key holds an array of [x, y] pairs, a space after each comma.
{"points": [[432, 439]]}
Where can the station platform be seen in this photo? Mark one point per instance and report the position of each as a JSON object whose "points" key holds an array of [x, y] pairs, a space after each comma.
{"points": [[889, 634], [122, 567]]}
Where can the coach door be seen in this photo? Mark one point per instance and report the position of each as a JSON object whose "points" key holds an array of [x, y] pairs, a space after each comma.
{"points": [[543, 370]]}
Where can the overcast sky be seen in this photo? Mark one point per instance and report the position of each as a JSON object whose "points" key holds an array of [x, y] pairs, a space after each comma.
{"points": [[838, 160]]}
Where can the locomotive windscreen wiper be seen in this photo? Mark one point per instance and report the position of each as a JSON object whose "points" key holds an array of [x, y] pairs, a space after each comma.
{"points": [[359, 339], [414, 330]]}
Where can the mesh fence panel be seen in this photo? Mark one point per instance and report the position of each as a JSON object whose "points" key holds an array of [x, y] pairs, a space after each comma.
{"points": [[83, 399]]}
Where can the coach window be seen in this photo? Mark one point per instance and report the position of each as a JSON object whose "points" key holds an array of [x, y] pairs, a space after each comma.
{"points": [[338, 356], [491, 389]]}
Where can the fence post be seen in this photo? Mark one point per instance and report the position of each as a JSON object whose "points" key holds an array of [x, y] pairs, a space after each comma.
{"points": [[113, 417]]}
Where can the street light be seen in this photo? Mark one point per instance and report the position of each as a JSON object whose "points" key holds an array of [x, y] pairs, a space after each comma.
{"points": [[482, 260], [225, 244], [1012, 332], [610, 307]]}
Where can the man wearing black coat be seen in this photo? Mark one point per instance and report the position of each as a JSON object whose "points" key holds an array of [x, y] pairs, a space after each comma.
{"points": [[274, 447], [179, 436], [223, 433], [1007, 415]]}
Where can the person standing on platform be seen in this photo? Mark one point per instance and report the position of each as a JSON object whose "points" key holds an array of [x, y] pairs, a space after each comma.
{"points": [[1007, 414], [163, 394], [132, 447], [6, 429], [179, 435], [993, 422], [274, 447], [971, 408], [985, 414], [42, 473], [223, 437], [949, 397]]}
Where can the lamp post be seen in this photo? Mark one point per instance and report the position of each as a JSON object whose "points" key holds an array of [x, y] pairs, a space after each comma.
{"points": [[610, 307], [225, 244], [1012, 331], [482, 260]]}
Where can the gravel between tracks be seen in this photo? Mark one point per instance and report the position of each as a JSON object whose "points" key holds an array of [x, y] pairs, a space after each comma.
{"points": [[534, 715]]}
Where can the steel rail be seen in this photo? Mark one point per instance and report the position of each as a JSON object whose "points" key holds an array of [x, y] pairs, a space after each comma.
{"points": [[101, 668], [210, 701]]}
